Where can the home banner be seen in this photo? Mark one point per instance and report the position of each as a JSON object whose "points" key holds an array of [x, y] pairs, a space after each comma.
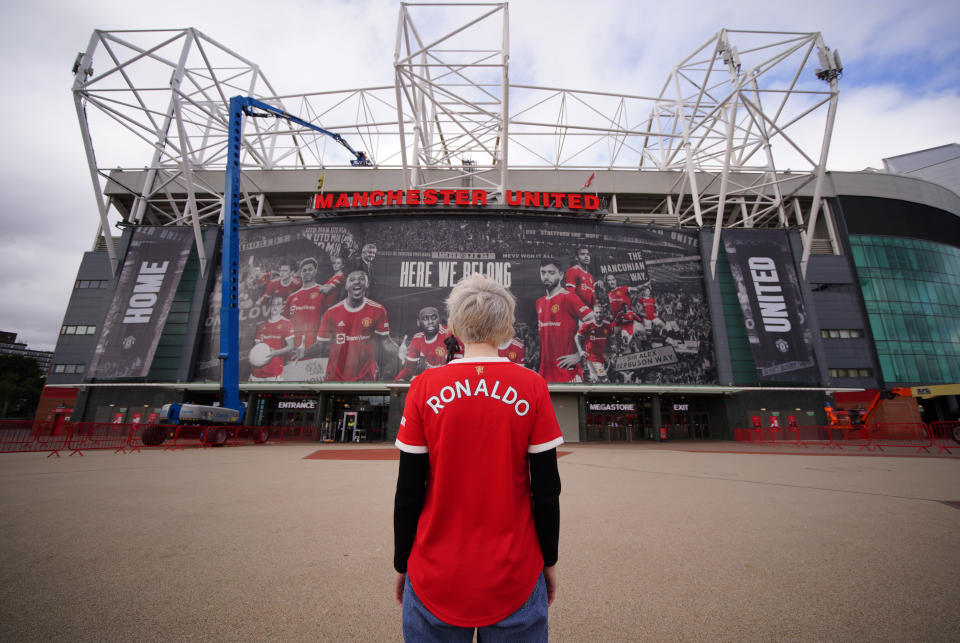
{"points": [[141, 302], [772, 302], [363, 300]]}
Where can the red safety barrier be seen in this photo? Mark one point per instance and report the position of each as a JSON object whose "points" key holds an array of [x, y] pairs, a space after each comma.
{"points": [[945, 435], [22, 436], [901, 434], [849, 437], [87, 436]]}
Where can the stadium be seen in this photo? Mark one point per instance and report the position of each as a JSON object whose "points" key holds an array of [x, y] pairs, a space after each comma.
{"points": [[684, 264]]}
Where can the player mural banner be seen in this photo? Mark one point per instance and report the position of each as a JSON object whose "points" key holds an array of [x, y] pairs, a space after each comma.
{"points": [[142, 300], [773, 311], [362, 300]]}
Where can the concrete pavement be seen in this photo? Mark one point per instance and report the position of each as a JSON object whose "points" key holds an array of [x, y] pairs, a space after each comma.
{"points": [[658, 542]]}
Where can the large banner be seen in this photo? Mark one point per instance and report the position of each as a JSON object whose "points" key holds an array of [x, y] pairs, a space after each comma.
{"points": [[148, 282], [772, 303], [363, 300]]}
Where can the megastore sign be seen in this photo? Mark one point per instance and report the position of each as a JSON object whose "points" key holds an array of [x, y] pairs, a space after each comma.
{"points": [[362, 299]]}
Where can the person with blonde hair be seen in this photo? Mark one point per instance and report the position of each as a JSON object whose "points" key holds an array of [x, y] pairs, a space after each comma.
{"points": [[477, 512]]}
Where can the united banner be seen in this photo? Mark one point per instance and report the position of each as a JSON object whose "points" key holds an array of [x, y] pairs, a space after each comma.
{"points": [[772, 303], [144, 294], [362, 300]]}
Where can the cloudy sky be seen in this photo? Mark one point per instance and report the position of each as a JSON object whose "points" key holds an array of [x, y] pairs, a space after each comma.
{"points": [[900, 91]]}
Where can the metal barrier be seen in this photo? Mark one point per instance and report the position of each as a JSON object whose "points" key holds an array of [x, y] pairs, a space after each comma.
{"points": [[87, 436], [902, 434], [945, 435], [21, 436]]}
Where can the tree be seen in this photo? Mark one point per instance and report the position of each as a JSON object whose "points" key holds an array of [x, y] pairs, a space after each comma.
{"points": [[21, 382]]}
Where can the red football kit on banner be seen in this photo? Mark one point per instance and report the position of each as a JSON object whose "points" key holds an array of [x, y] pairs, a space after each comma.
{"points": [[351, 334], [274, 335], [580, 283], [433, 352], [558, 318], [619, 300], [649, 308], [476, 556], [305, 309], [277, 288], [332, 297], [595, 335], [514, 351]]}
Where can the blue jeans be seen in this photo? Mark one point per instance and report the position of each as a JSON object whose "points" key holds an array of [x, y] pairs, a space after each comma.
{"points": [[527, 624]]}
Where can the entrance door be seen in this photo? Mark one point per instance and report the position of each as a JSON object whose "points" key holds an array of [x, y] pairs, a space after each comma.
{"points": [[699, 425]]}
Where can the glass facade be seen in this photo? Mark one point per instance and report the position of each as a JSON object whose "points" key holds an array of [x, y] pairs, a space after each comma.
{"points": [[912, 293]]}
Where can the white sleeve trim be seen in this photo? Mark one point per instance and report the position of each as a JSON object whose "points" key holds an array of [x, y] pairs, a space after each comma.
{"points": [[410, 448], [546, 446]]}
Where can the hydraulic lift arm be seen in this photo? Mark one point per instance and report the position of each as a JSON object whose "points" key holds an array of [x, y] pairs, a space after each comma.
{"points": [[241, 106]]}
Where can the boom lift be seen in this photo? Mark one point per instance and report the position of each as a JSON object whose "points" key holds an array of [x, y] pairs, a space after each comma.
{"points": [[857, 419], [231, 411]]}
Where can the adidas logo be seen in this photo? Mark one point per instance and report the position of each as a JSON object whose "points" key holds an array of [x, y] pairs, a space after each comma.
{"points": [[340, 323]]}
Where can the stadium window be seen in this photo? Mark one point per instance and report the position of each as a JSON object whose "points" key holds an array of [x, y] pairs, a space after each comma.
{"points": [[850, 372], [841, 333], [58, 368]]}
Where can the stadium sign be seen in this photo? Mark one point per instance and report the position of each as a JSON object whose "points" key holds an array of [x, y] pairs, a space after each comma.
{"points": [[514, 198], [297, 404]]}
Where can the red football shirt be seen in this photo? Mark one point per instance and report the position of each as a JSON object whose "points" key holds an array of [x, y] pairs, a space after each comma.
{"points": [[558, 318], [580, 283], [276, 288], [514, 351], [433, 352], [335, 280], [351, 334], [595, 335], [274, 335], [619, 300], [476, 557], [305, 310], [649, 307]]}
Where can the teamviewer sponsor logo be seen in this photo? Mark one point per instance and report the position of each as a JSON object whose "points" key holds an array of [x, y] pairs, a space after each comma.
{"points": [[341, 338]]}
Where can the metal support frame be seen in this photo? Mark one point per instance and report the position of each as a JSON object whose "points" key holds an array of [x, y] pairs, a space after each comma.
{"points": [[725, 122], [453, 90]]}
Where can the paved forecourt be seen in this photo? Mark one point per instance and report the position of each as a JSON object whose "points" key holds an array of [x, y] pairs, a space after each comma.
{"points": [[659, 542]]}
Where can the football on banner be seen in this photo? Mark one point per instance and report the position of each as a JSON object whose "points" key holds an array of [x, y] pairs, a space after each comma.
{"points": [[259, 355]]}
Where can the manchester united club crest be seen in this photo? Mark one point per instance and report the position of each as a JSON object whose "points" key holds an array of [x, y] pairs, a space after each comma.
{"points": [[479, 370], [555, 309], [440, 351], [512, 356], [366, 321], [314, 295]]}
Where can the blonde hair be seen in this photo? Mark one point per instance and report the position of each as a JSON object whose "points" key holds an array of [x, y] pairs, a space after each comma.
{"points": [[480, 310]]}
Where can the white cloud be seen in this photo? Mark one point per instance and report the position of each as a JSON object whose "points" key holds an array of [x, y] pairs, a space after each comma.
{"points": [[899, 93], [879, 122]]}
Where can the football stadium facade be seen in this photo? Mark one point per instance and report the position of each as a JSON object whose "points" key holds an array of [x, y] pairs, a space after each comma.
{"points": [[670, 273]]}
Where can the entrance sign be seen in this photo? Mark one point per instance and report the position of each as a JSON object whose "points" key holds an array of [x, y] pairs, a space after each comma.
{"points": [[297, 404], [772, 303]]}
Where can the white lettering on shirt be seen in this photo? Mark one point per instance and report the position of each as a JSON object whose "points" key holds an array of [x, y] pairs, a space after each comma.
{"points": [[461, 389]]}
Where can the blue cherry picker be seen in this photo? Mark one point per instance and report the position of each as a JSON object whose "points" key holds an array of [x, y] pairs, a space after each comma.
{"points": [[214, 423]]}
